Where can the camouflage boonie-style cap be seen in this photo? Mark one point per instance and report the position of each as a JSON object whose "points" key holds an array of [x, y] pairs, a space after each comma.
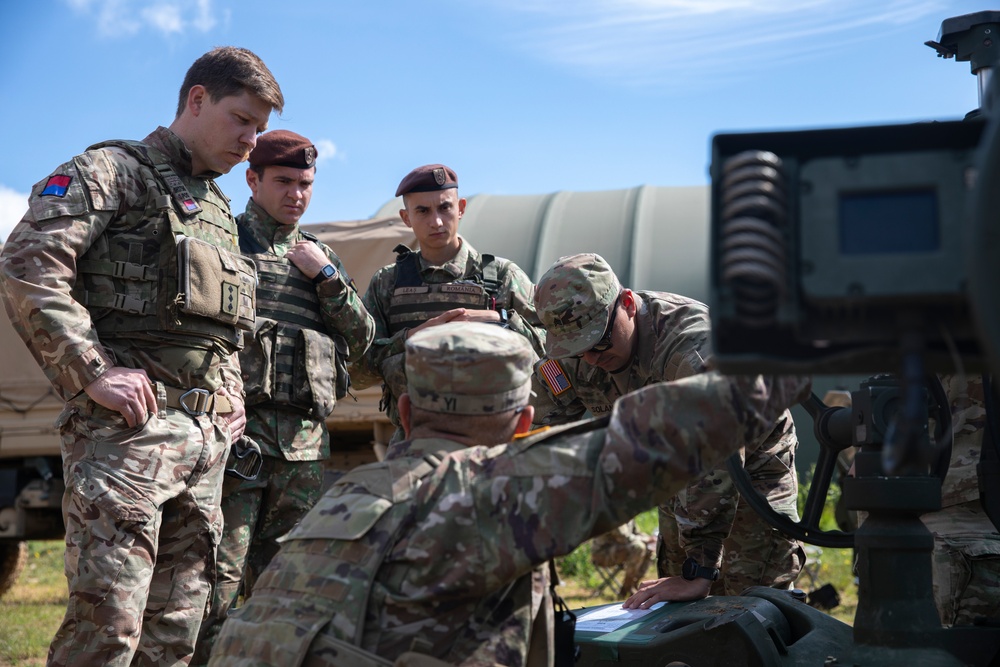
{"points": [[574, 300], [468, 368]]}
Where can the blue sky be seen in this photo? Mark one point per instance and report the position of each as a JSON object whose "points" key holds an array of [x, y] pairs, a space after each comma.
{"points": [[518, 96]]}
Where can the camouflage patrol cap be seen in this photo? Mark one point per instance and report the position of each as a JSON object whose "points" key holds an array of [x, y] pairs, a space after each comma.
{"points": [[283, 148], [468, 368], [428, 178], [574, 300]]}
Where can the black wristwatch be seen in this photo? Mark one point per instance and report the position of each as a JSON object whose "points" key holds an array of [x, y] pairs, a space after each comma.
{"points": [[691, 570], [327, 272]]}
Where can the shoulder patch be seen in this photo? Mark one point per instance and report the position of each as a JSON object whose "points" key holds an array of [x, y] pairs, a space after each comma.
{"points": [[56, 186], [554, 376], [60, 194]]}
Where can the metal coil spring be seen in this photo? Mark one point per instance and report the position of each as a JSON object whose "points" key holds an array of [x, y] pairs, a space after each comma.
{"points": [[753, 257]]}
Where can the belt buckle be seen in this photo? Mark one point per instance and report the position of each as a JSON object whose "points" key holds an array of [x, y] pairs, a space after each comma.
{"points": [[197, 391], [245, 459]]}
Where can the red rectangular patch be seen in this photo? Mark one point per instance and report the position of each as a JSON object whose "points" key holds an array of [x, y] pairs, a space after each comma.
{"points": [[56, 186]]}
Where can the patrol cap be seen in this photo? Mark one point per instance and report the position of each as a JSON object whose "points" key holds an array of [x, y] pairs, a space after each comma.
{"points": [[428, 178], [468, 368], [283, 148], [574, 300]]}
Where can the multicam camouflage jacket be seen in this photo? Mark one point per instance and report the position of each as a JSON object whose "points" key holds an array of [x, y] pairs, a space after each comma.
{"points": [[304, 332], [673, 342], [384, 362], [95, 233], [968, 419], [474, 525]]}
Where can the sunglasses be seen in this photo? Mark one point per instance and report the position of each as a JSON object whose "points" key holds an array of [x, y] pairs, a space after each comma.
{"points": [[605, 343]]}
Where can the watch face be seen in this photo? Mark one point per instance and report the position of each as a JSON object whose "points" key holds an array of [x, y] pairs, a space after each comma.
{"points": [[327, 272]]}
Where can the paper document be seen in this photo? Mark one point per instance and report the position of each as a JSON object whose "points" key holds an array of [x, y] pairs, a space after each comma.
{"points": [[610, 618]]}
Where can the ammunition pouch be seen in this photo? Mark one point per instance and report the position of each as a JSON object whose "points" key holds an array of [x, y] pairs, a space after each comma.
{"points": [[342, 387], [215, 283], [295, 367], [314, 373]]}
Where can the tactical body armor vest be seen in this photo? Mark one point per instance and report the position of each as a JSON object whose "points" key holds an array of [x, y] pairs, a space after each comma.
{"points": [[414, 302], [291, 360], [176, 269]]}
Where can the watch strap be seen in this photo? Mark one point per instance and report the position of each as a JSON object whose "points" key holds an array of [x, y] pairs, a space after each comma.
{"points": [[692, 570]]}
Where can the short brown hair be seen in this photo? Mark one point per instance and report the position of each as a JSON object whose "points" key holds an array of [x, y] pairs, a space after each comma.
{"points": [[229, 70]]}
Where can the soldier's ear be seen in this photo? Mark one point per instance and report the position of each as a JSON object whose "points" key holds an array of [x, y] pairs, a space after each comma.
{"points": [[252, 180], [524, 419], [628, 302], [196, 98]]}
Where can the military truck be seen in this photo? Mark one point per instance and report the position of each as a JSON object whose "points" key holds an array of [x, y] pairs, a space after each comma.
{"points": [[655, 237]]}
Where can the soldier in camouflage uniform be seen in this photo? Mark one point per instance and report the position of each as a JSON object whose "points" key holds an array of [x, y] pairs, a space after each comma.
{"points": [[447, 279], [433, 550], [966, 564], [624, 545], [966, 560], [310, 323], [125, 281], [604, 341]]}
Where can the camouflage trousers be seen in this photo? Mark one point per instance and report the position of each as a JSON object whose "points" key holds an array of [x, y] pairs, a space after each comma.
{"points": [[256, 513], [142, 523], [623, 545], [966, 563], [754, 554]]}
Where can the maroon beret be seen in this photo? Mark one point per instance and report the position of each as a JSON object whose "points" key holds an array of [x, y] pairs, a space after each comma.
{"points": [[284, 149], [428, 178]]}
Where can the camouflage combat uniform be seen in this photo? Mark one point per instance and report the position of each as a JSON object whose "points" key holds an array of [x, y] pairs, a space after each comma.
{"points": [[966, 564], [430, 550], [623, 545], [90, 275], [705, 521], [384, 361], [290, 379]]}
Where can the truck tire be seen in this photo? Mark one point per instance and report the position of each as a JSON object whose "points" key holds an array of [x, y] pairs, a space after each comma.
{"points": [[13, 557]]}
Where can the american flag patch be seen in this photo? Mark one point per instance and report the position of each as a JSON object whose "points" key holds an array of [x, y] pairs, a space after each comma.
{"points": [[56, 186], [554, 376]]}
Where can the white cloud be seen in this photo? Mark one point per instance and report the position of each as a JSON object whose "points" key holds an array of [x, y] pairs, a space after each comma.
{"points": [[164, 17], [684, 42], [326, 150], [13, 205], [118, 18], [204, 20]]}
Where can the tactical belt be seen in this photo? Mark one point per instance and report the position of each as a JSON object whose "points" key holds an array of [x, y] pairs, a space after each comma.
{"points": [[197, 401]]}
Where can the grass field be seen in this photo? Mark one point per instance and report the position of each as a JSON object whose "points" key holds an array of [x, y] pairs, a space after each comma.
{"points": [[31, 612]]}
